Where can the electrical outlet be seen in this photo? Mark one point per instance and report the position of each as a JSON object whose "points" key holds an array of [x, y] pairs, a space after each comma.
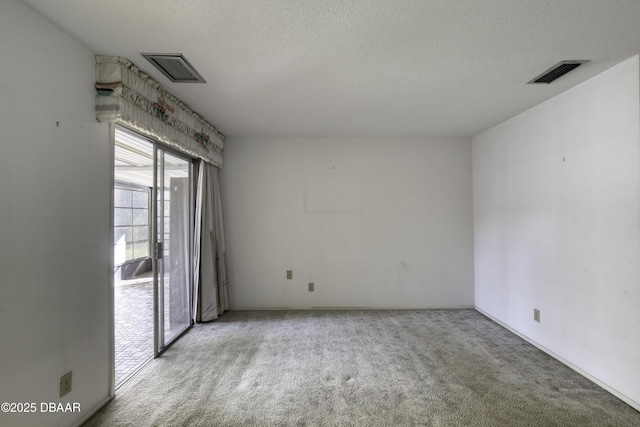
{"points": [[536, 315], [310, 286], [65, 384], [289, 274]]}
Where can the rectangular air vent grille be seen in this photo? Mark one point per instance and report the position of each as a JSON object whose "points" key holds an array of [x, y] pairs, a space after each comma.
{"points": [[557, 71], [175, 67]]}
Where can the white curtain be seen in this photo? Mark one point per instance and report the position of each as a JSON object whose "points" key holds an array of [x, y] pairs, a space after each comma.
{"points": [[210, 272]]}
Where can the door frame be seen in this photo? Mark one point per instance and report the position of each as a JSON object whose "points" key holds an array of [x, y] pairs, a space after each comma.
{"points": [[193, 166]]}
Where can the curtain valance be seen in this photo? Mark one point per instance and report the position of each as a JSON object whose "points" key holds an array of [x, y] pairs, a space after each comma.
{"points": [[124, 93]]}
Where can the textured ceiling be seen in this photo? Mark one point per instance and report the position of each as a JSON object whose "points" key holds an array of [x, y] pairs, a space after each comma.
{"points": [[359, 67]]}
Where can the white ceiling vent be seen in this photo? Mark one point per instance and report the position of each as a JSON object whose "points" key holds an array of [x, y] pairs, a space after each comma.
{"points": [[175, 67], [557, 71]]}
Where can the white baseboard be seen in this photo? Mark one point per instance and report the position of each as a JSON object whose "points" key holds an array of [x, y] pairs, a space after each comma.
{"points": [[92, 411], [465, 307], [635, 405]]}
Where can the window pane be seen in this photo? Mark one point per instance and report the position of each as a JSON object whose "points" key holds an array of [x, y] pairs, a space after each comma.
{"points": [[121, 198], [141, 249], [140, 216], [140, 199], [122, 217], [122, 232], [129, 251], [140, 233]]}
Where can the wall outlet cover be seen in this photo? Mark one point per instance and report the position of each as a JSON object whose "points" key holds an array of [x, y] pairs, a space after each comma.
{"points": [[65, 384], [311, 287], [536, 315], [289, 274]]}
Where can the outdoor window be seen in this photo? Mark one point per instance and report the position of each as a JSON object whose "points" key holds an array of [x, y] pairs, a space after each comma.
{"points": [[131, 224]]}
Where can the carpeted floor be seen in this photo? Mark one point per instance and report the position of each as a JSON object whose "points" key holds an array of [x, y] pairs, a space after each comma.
{"points": [[359, 368]]}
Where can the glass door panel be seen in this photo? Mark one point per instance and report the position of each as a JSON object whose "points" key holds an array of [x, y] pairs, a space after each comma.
{"points": [[173, 233], [133, 276]]}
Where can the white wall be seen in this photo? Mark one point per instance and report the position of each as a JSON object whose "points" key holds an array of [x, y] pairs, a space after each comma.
{"points": [[373, 222], [556, 220], [54, 221]]}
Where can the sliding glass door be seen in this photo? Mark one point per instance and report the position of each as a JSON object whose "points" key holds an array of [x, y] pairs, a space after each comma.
{"points": [[153, 217]]}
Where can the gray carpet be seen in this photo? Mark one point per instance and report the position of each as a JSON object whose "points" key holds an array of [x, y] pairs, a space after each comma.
{"points": [[359, 368]]}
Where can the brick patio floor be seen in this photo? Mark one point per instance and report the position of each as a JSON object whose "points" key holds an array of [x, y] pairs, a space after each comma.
{"points": [[133, 300], [133, 326]]}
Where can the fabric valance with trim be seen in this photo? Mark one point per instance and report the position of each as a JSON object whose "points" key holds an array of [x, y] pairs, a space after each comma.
{"points": [[124, 93]]}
